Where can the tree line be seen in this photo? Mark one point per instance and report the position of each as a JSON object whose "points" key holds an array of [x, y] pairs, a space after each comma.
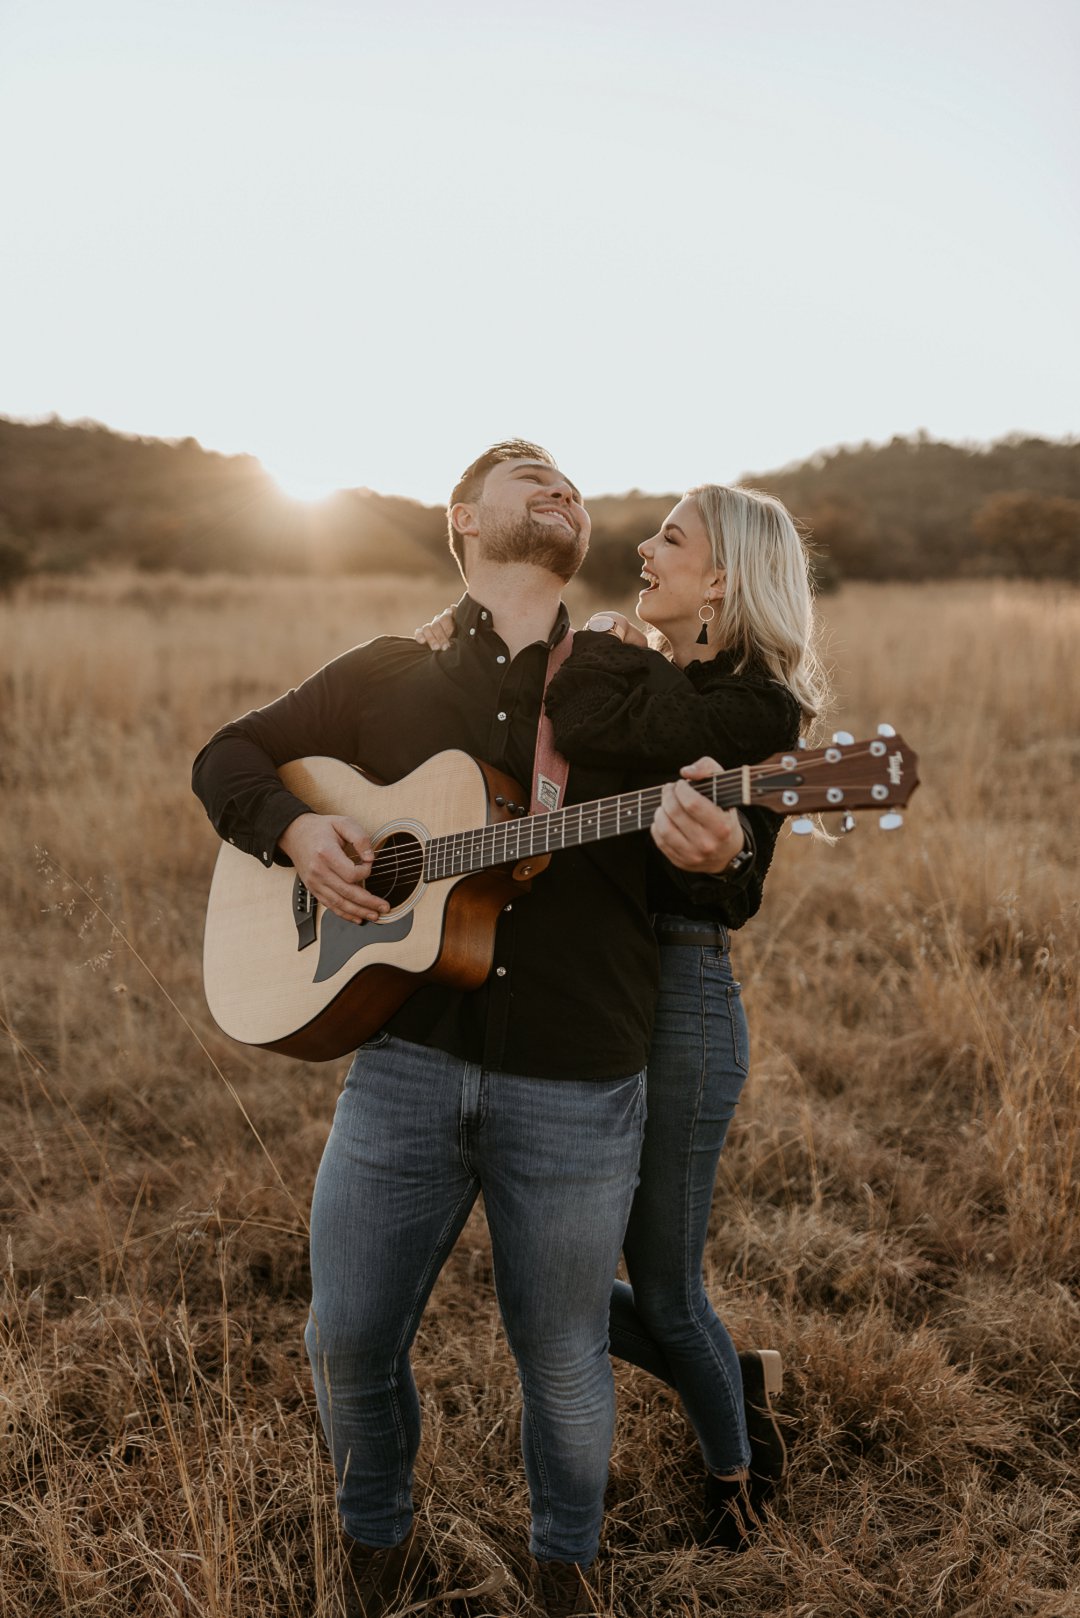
{"points": [[77, 495]]}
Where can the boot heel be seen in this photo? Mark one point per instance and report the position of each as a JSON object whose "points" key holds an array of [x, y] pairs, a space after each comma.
{"points": [[772, 1368]]}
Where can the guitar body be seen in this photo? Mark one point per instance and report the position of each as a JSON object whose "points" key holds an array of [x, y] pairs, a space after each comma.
{"points": [[293, 977]]}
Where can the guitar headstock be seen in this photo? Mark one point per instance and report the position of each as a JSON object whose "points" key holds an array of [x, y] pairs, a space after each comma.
{"points": [[878, 774]]}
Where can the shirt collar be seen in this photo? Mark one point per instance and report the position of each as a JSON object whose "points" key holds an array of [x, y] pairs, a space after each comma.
{"points": [[473, 615]]}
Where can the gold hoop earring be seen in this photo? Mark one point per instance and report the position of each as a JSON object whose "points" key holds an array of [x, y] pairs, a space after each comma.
{"points": [[706, 605]]}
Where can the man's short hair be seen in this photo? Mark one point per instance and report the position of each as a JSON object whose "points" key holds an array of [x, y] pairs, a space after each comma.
{"points": [[470, 484]]}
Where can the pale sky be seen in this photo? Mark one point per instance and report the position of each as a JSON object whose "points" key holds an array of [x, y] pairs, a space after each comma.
{"points": [[674, 242]]}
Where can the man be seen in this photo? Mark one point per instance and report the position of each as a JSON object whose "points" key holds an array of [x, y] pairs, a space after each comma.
{"points": [[530, 1089]]}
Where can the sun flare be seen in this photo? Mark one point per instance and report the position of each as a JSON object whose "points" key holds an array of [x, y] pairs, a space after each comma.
{"points": [[304, 485]]}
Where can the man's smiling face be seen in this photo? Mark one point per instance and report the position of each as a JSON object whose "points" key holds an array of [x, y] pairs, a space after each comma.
{"points": [[531, 512]]}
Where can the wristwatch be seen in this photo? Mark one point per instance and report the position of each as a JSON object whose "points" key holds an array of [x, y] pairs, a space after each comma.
{"points": [[603, 623], [745, 857]]}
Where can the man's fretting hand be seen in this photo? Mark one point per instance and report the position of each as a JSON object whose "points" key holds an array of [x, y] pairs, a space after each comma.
{"points": [[696, 835], [333, 855]]}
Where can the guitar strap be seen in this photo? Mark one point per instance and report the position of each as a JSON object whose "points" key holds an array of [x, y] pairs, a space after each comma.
{"points": [[550, 769]]}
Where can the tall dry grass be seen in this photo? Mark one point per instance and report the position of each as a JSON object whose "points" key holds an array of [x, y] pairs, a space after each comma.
{"points": [[897, 1208]]}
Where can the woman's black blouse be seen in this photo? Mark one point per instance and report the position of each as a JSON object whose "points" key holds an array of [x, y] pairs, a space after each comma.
{"points": [[609, 702]]}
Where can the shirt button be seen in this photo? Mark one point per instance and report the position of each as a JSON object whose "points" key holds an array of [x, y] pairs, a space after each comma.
{"points": [[500, 971], [484, 617], [472, 631], [507, 909], [500, 658], [500, 716]]}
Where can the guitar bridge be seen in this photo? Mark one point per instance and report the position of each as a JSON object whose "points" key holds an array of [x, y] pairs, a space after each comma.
{"points": [[303, 910]]}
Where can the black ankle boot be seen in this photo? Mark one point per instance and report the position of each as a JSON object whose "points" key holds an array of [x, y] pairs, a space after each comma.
{"points": [[763, 1375], [732, 1504], [729, 1517]]}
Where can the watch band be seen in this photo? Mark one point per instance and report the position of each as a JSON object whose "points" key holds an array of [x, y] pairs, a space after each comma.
{"points": [[743, 858]]}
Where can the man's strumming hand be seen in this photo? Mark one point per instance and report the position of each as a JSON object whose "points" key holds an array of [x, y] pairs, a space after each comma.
{"points": [[333, 855]]}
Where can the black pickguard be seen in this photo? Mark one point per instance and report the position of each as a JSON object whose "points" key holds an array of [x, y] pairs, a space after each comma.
{"points": [[340, 940]]}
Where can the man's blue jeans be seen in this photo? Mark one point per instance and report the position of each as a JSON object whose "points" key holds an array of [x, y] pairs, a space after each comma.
{"points": [[417, 1135]]}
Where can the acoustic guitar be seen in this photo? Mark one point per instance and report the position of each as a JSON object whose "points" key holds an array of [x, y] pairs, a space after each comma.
{"points": [[453, 844]]}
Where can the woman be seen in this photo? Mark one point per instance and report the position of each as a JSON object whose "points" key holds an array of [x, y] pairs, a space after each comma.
{"points": [[727, 597]]}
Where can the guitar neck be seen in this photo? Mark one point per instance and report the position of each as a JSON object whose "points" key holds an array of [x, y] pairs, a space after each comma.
{"points": [[508, 841], [880, 773]]}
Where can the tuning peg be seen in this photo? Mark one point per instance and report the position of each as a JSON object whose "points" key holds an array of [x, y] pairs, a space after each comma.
{"points": [[803, 826], [886, 730], [842, 738], [891, 821], [847, 823]]}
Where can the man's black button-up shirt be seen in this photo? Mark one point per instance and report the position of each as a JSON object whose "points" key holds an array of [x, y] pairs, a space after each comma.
{"points": [[574, 978]]}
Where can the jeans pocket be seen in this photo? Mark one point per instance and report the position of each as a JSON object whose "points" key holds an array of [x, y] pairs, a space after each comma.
{"points": [[359, 1071], [642, 1101], [376, 1042], [740, 1033]]}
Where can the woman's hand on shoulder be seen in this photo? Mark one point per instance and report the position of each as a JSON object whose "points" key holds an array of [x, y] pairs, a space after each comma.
{"points": [[438, 632], [614, 623]]}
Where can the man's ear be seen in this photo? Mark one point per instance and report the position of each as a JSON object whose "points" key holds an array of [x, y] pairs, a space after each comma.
{"points": [[464, 519]]}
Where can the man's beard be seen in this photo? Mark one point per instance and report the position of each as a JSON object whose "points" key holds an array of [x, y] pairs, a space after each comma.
{"points": [[540, 544]]}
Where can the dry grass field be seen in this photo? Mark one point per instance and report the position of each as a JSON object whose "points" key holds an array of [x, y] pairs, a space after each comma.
{"points": [[897, 1211]]}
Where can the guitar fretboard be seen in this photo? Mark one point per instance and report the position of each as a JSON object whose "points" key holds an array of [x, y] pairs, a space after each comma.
{"points": [[461, 852]]}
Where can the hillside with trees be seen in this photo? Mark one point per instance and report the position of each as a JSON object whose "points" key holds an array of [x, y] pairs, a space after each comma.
{"points": [[916, 508], [77, 495]]}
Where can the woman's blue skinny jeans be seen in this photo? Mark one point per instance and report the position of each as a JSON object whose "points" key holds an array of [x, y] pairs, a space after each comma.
{"points": [[663, 1320]]}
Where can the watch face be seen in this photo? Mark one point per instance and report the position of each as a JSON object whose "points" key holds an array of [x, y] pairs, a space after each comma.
{"points": [[601, 621]]}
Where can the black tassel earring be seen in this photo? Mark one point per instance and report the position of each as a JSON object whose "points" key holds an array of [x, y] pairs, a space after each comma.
{"points": [[706, 605]]}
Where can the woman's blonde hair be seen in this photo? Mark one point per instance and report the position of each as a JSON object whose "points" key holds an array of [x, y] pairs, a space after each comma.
{"points": [[767, 614]]}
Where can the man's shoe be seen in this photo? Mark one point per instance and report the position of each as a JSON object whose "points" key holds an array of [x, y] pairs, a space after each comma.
{"points": [[762, 1376], [380, 1578], [560, 1590]]}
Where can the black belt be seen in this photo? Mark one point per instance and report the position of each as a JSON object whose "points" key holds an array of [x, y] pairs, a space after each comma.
{"points": [[711, 938]]}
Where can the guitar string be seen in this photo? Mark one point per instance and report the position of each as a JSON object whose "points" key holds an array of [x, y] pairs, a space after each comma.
{"points": [[409, 865], [610, 814], [611, 817]]}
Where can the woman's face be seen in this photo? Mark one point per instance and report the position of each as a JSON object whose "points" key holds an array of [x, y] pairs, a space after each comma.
{"points": [[678, 572]]}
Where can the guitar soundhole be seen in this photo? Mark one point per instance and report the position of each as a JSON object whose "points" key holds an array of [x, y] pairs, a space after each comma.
{"points": [[398, 868]]}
